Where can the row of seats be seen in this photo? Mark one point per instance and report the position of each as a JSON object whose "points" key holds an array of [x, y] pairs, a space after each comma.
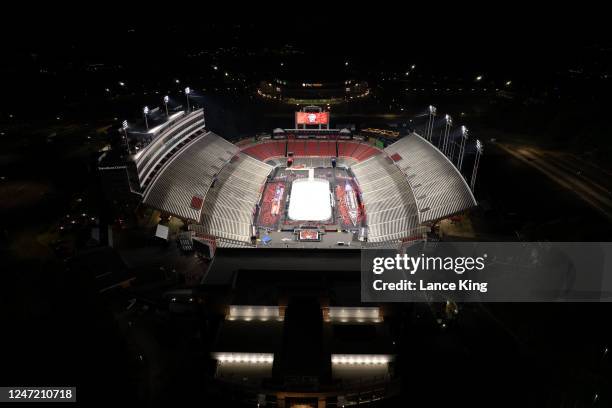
{"points": [[356, 150], [267, 150], [230, 204], [321, 148], [312, 162], [311, 148], [390, 206], [438, 187], [188, 174], [171, 137]]}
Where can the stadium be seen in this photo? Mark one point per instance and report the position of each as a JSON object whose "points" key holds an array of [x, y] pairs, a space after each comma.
{"points": [[280, 219], [270, 213], [310, 185]]}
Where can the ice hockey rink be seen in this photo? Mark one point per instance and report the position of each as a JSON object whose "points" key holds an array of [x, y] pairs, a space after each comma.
{"points": [[310, 200]]}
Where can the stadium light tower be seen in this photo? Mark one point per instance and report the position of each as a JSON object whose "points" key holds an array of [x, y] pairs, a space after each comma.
{"points": [[187, 92], [166, 100], [479, 151], [464, 137], [124, 126], [145, 111], [448, 123], [430, 122]]}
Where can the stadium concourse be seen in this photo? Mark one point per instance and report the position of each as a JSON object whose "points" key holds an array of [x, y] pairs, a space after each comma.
{"points": [[263, 192]]}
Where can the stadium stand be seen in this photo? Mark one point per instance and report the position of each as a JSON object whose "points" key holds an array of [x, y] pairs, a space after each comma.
{"points": [[438, 187], [390, 204], [346, 162], [168, 139], [274, 149], [267, 150], [185, 179], [356, 150], [230, 204], [199, 176], [312, 162]]}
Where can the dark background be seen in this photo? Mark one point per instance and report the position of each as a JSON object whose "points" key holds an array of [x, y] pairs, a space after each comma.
{"points": [[59, 330]]}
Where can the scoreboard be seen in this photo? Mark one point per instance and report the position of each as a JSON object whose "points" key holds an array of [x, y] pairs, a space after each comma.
{"points": [[312, 118]]}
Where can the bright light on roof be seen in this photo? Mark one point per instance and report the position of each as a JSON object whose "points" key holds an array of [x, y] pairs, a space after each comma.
{"points": [[248, 313], [345, 314], [361, 359], [244, 358], [172, 117], [176, 115]]}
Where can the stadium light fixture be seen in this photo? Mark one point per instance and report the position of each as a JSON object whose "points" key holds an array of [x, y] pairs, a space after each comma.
{"points": [[245, 358], [124, 126], [430, 122], [445, 142], [464, 137], [360, 359], [145, 111], [166, 100], [479, 152], [187, 92]]}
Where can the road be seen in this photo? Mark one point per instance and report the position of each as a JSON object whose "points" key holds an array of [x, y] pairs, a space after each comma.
{"points": [[587, 180]]}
